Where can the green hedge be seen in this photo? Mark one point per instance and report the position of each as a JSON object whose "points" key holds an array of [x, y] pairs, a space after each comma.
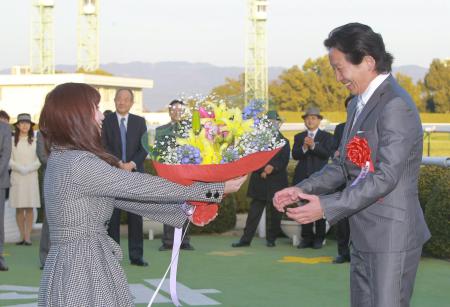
{"points": [[434, 195]]}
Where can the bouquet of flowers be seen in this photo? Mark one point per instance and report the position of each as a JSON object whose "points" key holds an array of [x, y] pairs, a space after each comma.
{"points": [[213, 143]]}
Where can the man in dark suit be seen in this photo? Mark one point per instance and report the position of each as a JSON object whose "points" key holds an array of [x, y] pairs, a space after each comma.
{"points": [[44, 243], [121, 133], [387, 226], [342, 226], [5, 154], [176, 109], [312, 148], [262, 187]]}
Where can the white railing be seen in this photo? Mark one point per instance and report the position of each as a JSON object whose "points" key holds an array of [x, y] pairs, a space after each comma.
{"points": [[439, 161]]}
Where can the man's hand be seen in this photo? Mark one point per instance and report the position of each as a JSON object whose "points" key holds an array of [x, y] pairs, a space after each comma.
{"points": [[286, 197], [309, 142], [128, 166], [308, 213], [268, 169]]}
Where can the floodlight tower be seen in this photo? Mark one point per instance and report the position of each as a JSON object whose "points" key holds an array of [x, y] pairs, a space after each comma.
{"points": [[87, 48], [256, 52], [42, 60]]}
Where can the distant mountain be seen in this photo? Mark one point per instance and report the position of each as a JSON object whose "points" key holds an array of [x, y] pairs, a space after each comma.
{"points": [[415, 72], [174, 79]]}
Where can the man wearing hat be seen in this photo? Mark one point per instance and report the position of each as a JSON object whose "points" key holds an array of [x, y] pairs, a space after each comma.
{"points": [[262, 187], [176, 109], [312, 148]]}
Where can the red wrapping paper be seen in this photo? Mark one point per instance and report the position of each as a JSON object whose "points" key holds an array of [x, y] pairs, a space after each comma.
{"points": [[186, 174]]}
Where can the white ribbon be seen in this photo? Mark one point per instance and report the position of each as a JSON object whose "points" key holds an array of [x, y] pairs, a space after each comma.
{"points": [[363, 174], [173, 265]]}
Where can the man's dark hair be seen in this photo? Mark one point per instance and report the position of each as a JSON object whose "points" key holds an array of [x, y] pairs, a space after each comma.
{"points": [[176, 101], [4, 115], [356, 41]]}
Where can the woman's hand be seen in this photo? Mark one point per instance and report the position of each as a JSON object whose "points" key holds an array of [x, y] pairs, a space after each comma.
{"points": [[234, 185]]}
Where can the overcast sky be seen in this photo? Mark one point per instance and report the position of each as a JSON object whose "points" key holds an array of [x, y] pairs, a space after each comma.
{"points": [[213, 31]]}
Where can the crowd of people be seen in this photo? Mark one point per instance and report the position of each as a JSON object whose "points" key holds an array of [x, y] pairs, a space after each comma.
{"points": [[91, 176], [121, 136]]}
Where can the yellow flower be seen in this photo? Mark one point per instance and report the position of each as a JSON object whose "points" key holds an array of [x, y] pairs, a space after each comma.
{"points": [[209, 152]]}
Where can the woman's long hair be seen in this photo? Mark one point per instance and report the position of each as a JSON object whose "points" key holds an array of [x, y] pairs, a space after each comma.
{"points": [[68, 120], [17, 135]]}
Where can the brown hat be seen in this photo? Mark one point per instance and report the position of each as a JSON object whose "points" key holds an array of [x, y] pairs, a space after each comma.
{"points": [[312, 111], [24, 117]]}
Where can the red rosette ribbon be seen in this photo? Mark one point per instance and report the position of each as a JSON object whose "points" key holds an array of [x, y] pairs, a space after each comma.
{"points": [[359, 153], [186, 174]]}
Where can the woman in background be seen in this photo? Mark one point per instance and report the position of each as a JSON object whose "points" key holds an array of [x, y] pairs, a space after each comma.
{"points": [[82, 186], [24, 163]]}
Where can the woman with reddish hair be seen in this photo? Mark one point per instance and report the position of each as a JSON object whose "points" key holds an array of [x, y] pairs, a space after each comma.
{"points": [[82, 186]]}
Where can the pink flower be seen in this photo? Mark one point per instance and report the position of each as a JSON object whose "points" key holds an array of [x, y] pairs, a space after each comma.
{"points": [[205, 114]]}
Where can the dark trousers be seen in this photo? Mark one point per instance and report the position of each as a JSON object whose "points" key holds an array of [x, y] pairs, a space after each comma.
{"points": [[2, 220], [308, 234], [168, 233], [135, 233], [44, 244], [343, 237], [254, 216]]}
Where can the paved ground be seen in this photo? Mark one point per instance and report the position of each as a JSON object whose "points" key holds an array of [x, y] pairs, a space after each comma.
{"points": [[216, 274]]}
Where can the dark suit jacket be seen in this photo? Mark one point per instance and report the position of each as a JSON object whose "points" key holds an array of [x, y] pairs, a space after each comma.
{"points": [[337, 135], [314, 160], [264, 189], [136, 127]]}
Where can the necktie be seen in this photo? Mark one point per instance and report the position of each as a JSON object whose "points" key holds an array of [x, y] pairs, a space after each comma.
{"points": [[123, 138], [311, 135], [359, 108]]}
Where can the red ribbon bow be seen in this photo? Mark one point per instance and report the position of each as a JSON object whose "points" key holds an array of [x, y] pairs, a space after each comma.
{"points": [[358, 152]]}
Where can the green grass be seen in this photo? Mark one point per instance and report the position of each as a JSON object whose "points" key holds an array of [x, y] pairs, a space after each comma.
{"points": [[246, 277]]}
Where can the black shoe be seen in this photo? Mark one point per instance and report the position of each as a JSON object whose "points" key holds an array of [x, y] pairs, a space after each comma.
{"points": [[317, 244], [187, 247], [3, 266], [240, 244], [164, 247], [21, 242], [341, 259], [27, 243], [305, 244], [270, 244], [139, 262]]}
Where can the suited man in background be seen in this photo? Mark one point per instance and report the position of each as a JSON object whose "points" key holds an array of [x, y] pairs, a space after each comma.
{"points": [[44, 244], [176, 110], [342, 226], [121, 134], [5, 154], [262, 187], [387, 226], [312, 148]]}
